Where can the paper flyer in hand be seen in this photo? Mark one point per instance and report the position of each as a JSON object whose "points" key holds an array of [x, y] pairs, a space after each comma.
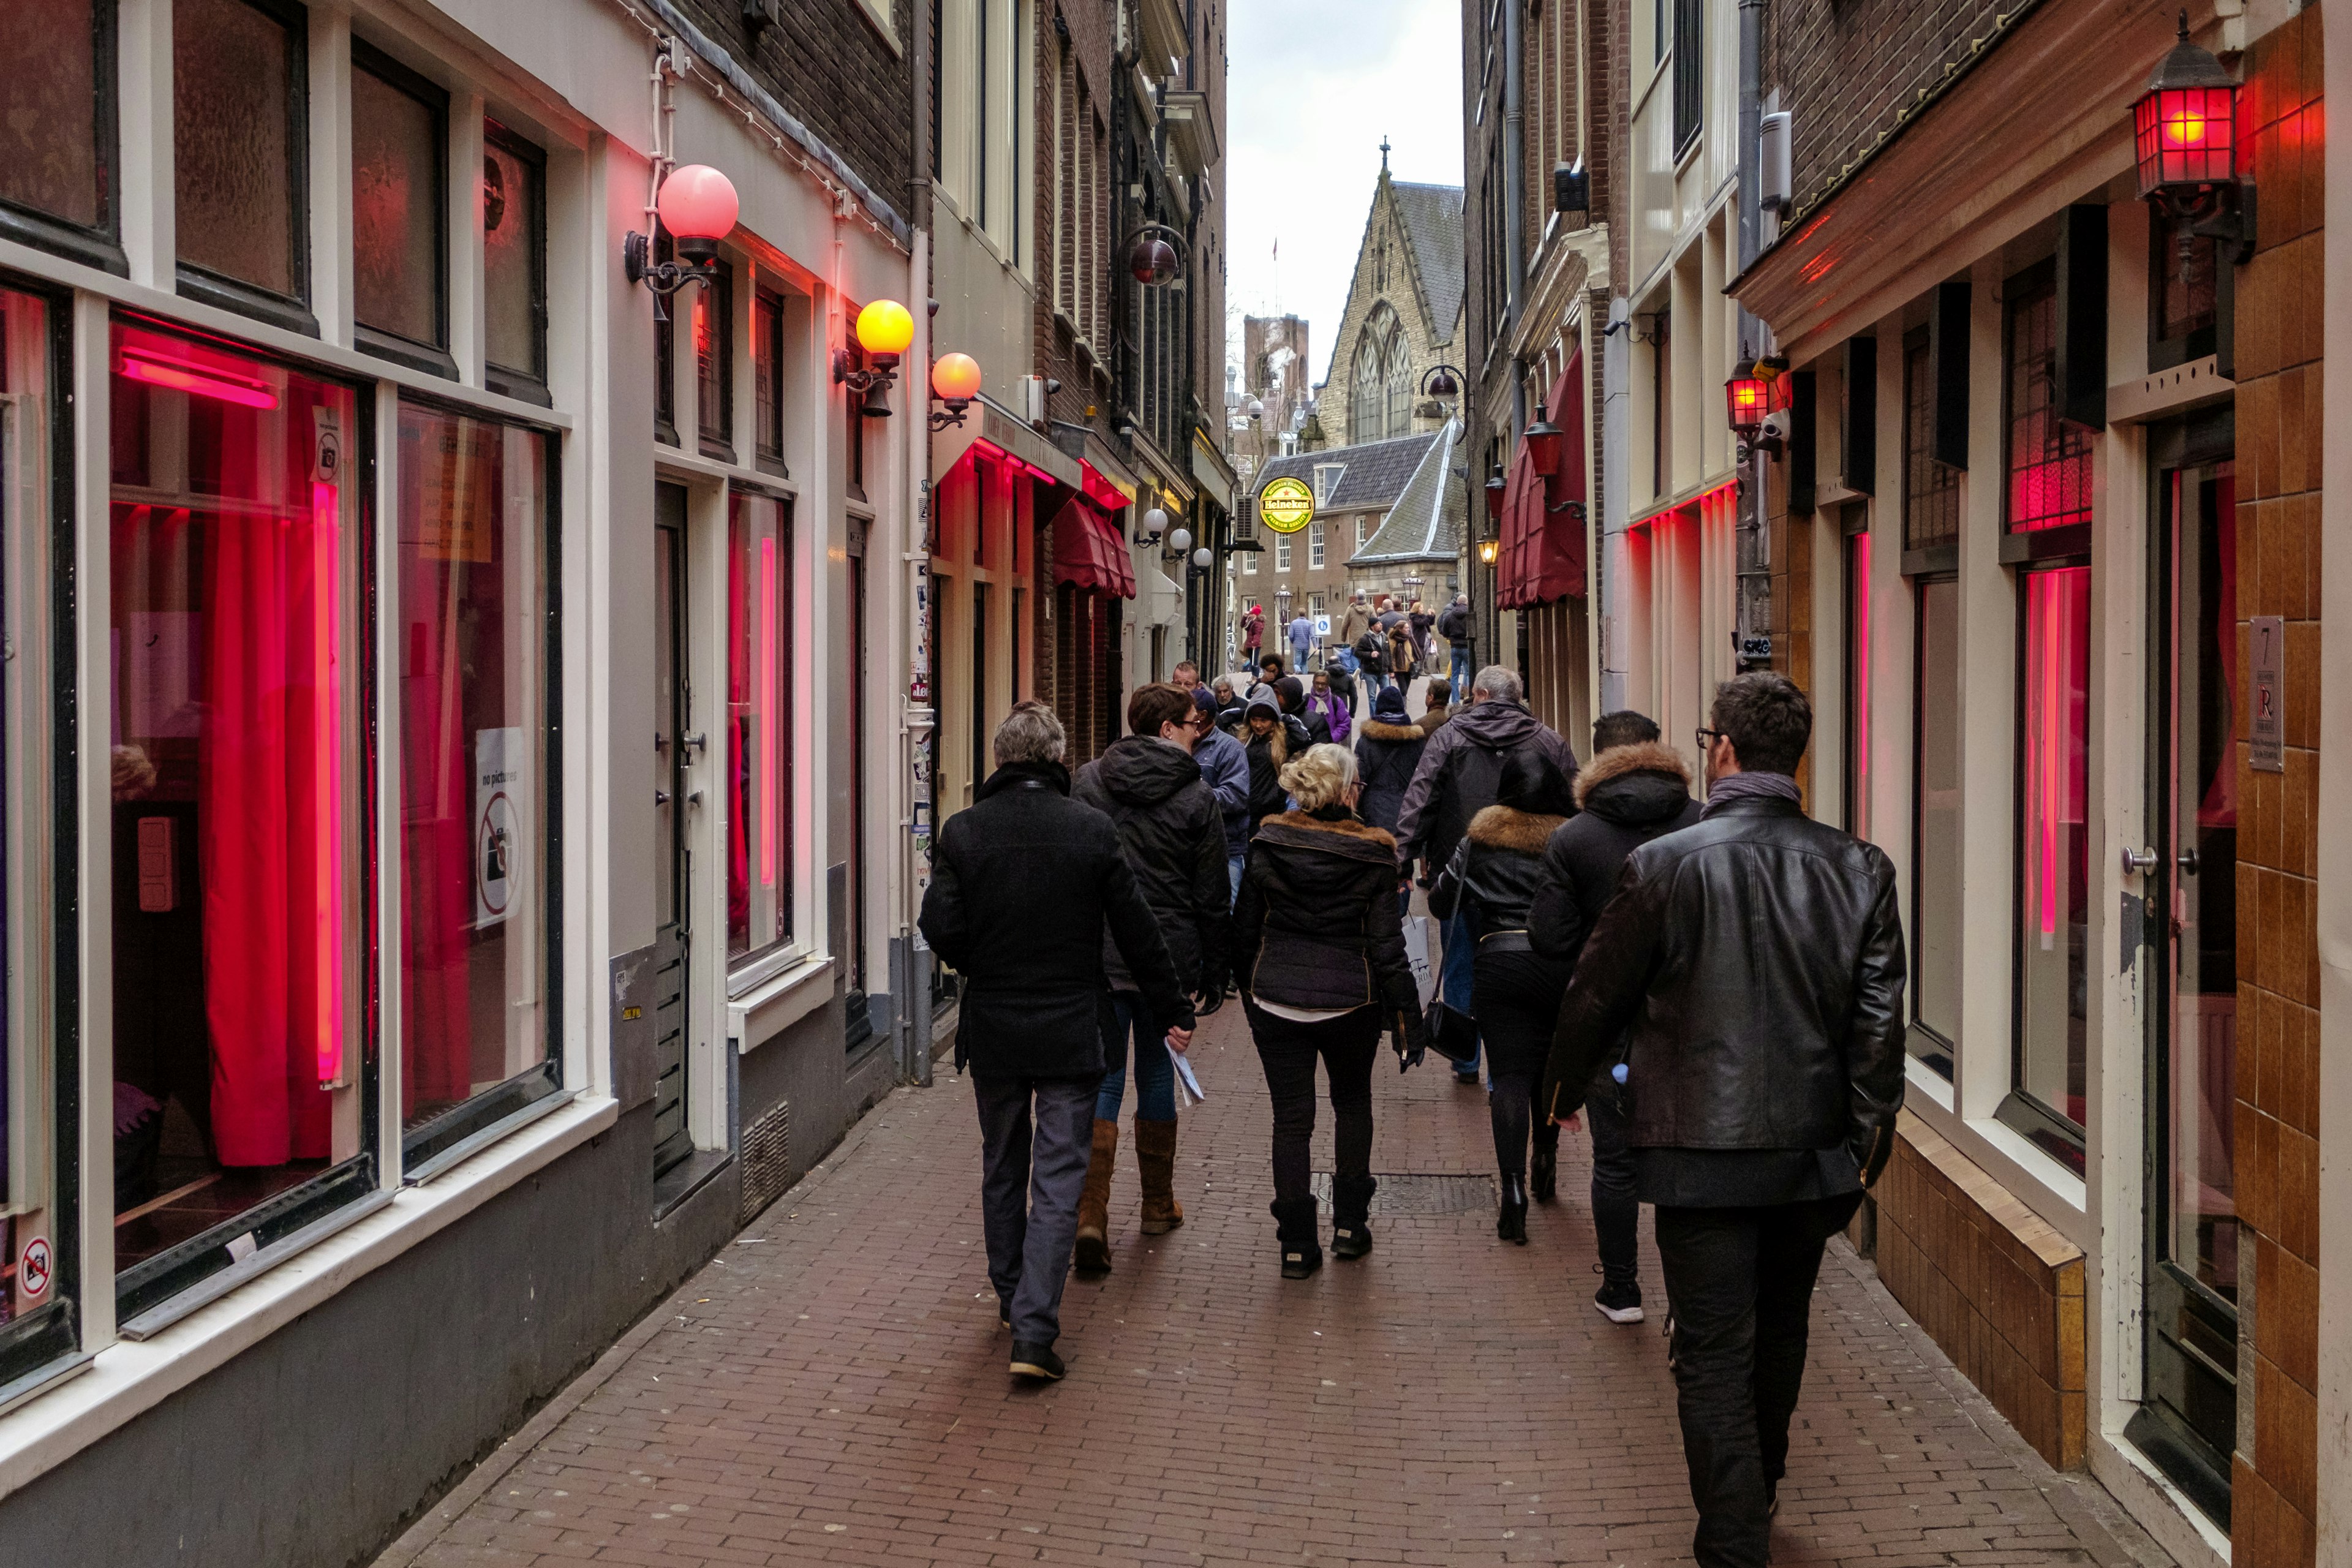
{"points": [[1185, 1078]]}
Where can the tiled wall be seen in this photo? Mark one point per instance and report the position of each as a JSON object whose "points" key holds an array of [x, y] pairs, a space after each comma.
{"points": [[1995, 1287], [2281, 296]]}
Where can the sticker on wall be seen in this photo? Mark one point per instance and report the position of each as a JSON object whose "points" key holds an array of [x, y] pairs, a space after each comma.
{"points": [[456, 511], [498, 847], [34, 1268], [2266, 642]]}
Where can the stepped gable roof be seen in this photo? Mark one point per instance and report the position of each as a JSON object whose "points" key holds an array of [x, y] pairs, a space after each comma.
{"points": [[1428, 521], [1433, 218], [1377, 471]]}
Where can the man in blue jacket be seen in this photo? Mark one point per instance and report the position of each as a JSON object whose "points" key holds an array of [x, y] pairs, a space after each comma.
{"points": [[1224, 766]]}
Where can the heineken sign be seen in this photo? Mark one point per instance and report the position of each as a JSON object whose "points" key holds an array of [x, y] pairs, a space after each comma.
{"points": [[1286, 505]]}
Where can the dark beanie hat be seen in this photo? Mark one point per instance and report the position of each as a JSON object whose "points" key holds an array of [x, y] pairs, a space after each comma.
{"points": [[1533, 783], [1389, 706]]}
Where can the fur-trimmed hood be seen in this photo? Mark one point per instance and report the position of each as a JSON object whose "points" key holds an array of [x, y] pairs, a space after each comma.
{"points": [[1374, 729], [1506, 828], [1634, 783]]}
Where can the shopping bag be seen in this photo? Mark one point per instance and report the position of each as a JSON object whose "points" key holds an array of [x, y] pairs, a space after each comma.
{"points": [[1416, 953]]}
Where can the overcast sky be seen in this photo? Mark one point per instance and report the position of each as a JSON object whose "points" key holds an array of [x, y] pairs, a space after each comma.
{"points": [[1315, 85]]}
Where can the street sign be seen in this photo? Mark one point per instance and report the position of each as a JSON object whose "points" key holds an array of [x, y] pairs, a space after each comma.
{"points": [[1286, 504], [33, 1269], [1322, 626]]}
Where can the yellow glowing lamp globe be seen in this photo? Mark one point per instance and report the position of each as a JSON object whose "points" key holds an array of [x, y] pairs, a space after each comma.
{"points": [[1285, 504], [956, 378], [886, 327]]}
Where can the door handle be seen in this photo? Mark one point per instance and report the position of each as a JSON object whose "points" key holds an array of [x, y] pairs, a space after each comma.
{"points": [[661, 797], [694, 797], [694, 739], [2138, 862], [2189, 862]]}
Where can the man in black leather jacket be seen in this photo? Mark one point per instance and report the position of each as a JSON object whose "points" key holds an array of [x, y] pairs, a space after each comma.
{"points": [[1741, 1000]]}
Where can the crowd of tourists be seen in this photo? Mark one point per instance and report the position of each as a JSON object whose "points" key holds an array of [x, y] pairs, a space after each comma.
{"points": [[1702, 976]]}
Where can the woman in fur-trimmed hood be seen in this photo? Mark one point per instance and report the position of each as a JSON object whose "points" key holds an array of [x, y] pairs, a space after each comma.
{"points": [[1492, 879], [1388, 748]]}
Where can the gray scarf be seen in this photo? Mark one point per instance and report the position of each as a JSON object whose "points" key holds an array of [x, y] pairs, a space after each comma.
{"points": [[1750, 786]]}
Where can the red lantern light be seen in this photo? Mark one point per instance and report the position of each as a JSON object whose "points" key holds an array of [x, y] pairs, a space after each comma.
{"points": [[1495, 488], [1749, 399], [698, 206], [2185, 128], [1152, 262], [956, 379], [1545, 443]]}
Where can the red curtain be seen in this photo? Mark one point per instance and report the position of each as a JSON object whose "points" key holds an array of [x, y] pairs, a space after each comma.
{"points": [[268, 800]]}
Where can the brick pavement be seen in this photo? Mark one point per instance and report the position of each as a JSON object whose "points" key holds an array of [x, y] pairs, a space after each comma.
{"points": [[831, 1389]]}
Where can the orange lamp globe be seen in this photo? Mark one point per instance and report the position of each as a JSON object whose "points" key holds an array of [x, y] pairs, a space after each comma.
{"points": [[886, 327], [956, 378], [698, 206]]}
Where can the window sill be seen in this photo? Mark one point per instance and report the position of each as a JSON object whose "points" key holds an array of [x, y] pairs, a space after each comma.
{"points": [[128, 1379], [768, 1008]]}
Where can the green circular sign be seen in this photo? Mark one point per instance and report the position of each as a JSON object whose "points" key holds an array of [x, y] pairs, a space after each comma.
{"points": [[1286, 505]]}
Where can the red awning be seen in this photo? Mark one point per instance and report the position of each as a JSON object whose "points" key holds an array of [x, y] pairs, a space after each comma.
{"points": [[1088, 553], [1543, 544]]}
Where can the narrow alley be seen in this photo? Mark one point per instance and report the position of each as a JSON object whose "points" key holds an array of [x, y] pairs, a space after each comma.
{"points": [[831, 1388]]}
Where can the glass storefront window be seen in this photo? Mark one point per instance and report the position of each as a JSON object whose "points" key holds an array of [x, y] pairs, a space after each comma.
{"points": [[714, 364], [1931, 492], [2049, 460], [238, 84], [57, 131], [759, 725], [242, 1058], [2053, 849], [477, 848], [1935, 826], [39, 1214], [399, 210], [514, 257], [767, 379]]}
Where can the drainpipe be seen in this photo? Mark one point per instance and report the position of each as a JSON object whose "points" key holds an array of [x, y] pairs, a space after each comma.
{"points": [[1752, 610], [911, 971], [1515, 267], [1616, 459]]}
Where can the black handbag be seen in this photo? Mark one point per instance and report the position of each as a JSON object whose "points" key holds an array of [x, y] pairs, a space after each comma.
{"points": [[1453, 1034]]}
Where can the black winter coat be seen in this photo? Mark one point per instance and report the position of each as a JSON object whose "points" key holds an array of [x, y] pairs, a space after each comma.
{"points": [[1461, 772], [1386, 755], [1267, 797], [1316, 922], [1174, 837], [1752, 965], [1631, 795], [1496, 871], [1453, 624], [1022, 882]]}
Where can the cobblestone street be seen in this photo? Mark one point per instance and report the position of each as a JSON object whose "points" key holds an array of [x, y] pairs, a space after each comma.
{"points": [[833, 1388]]}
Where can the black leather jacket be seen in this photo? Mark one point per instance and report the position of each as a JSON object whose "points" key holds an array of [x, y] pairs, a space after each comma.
{"points": [[1497, 871], [1753, 967]]}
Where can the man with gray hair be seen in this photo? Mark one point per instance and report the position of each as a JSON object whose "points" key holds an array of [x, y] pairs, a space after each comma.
{"points": [[1459, 776], [1023, 884]]}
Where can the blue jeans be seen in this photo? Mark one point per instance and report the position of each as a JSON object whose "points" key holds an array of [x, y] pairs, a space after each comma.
{"points": [[1155, 1072], [1459, 676], [1235, 860], [1461, 948]]}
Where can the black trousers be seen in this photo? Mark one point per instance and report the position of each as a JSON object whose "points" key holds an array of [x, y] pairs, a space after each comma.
{"points": [[1288, 1049], [1616, 1211], [1518, 1006], [1740, 1281]]}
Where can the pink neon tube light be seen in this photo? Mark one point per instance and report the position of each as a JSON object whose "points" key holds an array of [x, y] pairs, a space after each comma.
{"points": [[1861, 694], [180, 376], [2050, 725], [328, 782], [768, 708]]}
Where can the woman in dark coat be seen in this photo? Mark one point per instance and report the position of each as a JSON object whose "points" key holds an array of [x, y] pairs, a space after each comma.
{"points": [[1494, 877], [1404, 659], [1271, 738], [1388, 748], [1319, 951]]}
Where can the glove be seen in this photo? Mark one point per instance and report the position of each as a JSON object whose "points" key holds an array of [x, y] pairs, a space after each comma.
{"points": [[1208, 1001], [1408, 1040]]}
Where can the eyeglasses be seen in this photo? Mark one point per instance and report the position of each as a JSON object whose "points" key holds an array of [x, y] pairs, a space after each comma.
{"points": [[1706, 740]]}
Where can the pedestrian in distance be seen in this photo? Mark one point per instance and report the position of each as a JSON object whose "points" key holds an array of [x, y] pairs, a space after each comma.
{"points": [[1755, 1128], [1224, 767], [1421, 620], [1319, 950], [1302, 639], [1404, 659], [1325, 703], [1270, 668], [1024, 882], [1491, 881], [1436, 705], [1339, 664], [1453, 623], [1371, 650], [1291, 692], [1457, 777], [1357, 620], [1273, 738], [1633, 790], [1388, 747], [1252, 633], [1149, 783]]}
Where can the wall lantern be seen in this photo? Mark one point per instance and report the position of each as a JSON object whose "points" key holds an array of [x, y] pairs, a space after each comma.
{"points": [[1495, 485], [1748, 399], [1545, 443], [1440, 381], [1180, 539], [1155, 523], [886, 329], [1487, 550], [2185, 139], [955, 381], [697, 209], [1154, 254]]}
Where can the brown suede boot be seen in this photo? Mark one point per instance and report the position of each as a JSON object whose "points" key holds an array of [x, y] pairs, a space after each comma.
{"points": [[1155, 1160], [1094, 1203]]}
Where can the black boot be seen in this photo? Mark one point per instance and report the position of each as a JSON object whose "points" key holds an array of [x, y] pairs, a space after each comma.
{"points": [[1511, 1223], [1351, 1202], [1294, 1230], [1545, 1173]]}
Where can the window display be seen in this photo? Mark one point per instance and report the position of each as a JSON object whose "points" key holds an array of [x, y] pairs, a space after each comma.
{"points": [[759, 725], [475, 856], [236, 715]]}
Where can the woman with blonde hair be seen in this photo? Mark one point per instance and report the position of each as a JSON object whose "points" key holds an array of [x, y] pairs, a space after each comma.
{"points": [[1319, 954]]}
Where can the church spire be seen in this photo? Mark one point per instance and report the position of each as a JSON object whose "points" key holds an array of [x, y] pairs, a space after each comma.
{"points": [[1384, 157]]}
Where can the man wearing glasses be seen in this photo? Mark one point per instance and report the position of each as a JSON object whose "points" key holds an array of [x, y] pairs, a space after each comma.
{"points": [[1739, 1007]]}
